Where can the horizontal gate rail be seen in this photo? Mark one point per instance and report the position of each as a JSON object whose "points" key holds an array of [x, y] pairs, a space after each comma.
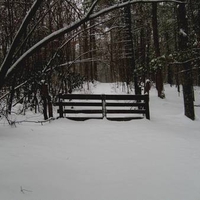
{"points": [[126, 111], [82, 111], [126, 97], [79, 104], [81, 96], [114, 104]]}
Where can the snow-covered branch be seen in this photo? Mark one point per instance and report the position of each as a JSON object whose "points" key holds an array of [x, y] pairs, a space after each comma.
{"points": [[66, 42], [70, 63], [17, 87], [33, 28], [120, 5], [8, 59], [90, 15]]}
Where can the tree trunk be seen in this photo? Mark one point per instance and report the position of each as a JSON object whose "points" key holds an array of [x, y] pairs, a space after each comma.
{"points": [[159, 76], [129, 50], [148, 33], [93, 53], [169, 67], [187, 72], [198, 38]]}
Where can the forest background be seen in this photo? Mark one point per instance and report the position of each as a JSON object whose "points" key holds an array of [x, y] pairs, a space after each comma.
{"points": [[64, 43]]}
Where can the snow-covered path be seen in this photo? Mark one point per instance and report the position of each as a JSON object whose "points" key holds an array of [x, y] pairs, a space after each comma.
{"points": [[104, 160]]}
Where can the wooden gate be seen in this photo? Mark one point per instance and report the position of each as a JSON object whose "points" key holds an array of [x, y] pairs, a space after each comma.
{"points": [[99, 106]]}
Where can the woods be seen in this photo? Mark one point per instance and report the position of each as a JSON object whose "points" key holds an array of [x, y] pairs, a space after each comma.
{"points": [[65, 43]]}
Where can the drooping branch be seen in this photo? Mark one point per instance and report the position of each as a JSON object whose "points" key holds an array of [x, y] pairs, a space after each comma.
{"points": [[66, 42], [33, 29], [120, 5], [47, 69], [90, 15], [8, 59], [50, 38]]}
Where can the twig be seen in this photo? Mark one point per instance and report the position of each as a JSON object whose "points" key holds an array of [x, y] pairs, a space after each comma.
{"points": [[24, 190], [40, 121]]}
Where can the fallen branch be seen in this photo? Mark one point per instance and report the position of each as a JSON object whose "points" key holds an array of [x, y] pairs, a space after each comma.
{"points": [[24, 190], [39, 121]]}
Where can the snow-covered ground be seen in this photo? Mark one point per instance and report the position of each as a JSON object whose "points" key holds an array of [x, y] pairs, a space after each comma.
{"points": [[104, 160]]}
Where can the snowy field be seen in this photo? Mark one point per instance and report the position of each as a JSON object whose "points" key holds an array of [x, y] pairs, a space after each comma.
{"points": [[104, 160]]}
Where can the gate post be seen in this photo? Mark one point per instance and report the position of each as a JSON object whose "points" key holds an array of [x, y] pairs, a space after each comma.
{"points": [[147, 107], [103, 105], [60, 106]]}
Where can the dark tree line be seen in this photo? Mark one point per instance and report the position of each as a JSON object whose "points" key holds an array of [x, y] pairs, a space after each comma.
{"points": [[65, 43]]}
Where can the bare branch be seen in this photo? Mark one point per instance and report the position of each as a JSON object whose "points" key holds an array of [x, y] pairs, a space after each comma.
{"points": [[75, 25], [120, 5], [8, 60], [34, 27]]}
